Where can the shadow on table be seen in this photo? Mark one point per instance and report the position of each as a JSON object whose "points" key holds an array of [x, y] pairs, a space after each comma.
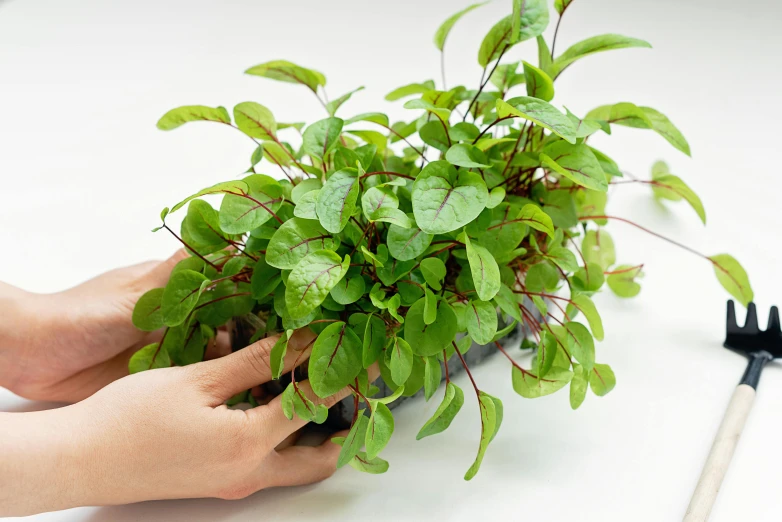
{"points": [[280, 501]]}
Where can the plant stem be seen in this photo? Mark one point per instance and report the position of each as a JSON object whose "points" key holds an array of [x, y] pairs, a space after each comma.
{"points": [[205, 260], [467, 369]]}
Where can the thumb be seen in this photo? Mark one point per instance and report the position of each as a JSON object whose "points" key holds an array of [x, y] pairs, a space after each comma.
{"points": [[158, 275]]}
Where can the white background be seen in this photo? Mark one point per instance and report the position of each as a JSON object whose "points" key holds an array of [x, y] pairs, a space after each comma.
{"points": [[84, 174]]}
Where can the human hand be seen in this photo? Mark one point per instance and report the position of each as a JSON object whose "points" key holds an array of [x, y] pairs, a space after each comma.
{"points": [[66, 346], [163, 434]]}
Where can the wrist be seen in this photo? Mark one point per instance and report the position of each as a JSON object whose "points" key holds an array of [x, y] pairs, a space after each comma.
{"points": [[21, 324]]}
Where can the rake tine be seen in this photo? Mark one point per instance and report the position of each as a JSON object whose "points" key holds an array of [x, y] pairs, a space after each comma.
{"points": [[773, 320], [732, 325], [751, 324]]}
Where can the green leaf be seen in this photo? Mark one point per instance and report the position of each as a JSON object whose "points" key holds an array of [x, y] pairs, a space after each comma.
{"points": [[540, 113], [560, 6], [276, 153], [311, 281], [434, 271], [732, 277], [181, 295], [529, 19], [372, 331], [147, 313], [585, 305], [575, 162], [255, 120], [442, 32], [451, 404], [348, 290], [668, 186], [374, 466], [584, 127], [491, 418], [181, 115], [400, 360], [496, 195], [507, 302], [306, 206], [336, 103], [578, 386], [598, 247], [624, 113], [405, 244], [430, 306], [321, 137], [304, 186], [337, 200], [354, 440], [277, 355], [547, 352], [434, 135], [264, 280], [284, 71], [581, 344], [663, 126], [239, 214], [484, 269], [467, 156], [432, 376], [544, 55], [464, 131], [409, 90], [375, 198], [445, 199], [595, 44], [481, 318], [372, 117], [335, 360], [219, 188], [294, 240], [602, 379], [530, 387], [148, 358], [623, 280], [589, 279], [431, 339], [539, 84], [563, 258], [534, 217], [542, 276], [379, 429], [497, 40]]}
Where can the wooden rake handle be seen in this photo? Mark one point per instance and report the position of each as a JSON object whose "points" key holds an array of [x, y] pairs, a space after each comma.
{"points": [[720, 455], [726, 439]]}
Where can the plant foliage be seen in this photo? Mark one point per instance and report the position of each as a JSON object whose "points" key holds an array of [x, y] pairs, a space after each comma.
{"points": [[399, 243]]}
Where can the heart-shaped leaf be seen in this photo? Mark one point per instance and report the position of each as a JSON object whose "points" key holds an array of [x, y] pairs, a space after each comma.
{"points": [[311, 281], [445, 200]]}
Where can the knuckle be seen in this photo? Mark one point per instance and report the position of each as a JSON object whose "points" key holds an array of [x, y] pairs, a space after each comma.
{"points": [[256, 358]]}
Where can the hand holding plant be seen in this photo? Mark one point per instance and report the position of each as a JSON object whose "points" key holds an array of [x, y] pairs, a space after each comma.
{"points": [[163, 434]]}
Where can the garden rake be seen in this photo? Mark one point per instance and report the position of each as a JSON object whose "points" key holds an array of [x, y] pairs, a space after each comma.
{"points": [[760, 347]]}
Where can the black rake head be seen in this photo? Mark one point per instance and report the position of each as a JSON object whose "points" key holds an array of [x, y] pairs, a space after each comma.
{"points": [[750, 338]]}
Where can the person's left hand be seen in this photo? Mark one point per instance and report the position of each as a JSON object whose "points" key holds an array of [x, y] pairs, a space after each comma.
{"points": [[68, 345]]}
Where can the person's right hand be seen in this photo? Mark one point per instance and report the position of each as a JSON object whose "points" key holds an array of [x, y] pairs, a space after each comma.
{"points": [[164, 434]]}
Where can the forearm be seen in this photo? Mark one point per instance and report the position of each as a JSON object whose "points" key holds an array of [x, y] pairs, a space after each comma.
{"points": [[45, 461], [17, 332]]}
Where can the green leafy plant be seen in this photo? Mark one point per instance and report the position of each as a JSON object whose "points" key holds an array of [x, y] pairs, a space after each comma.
{"points": [[400, 243]]}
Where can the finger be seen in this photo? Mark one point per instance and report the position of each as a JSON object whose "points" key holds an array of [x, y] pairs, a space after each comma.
{"points": [[299, 465], [251, 366], [219, 346], [159, 273], [277, 424], [289, 441]]}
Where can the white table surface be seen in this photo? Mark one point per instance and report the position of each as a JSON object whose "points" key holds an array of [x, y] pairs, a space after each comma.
{"points": [[84, 174]]}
